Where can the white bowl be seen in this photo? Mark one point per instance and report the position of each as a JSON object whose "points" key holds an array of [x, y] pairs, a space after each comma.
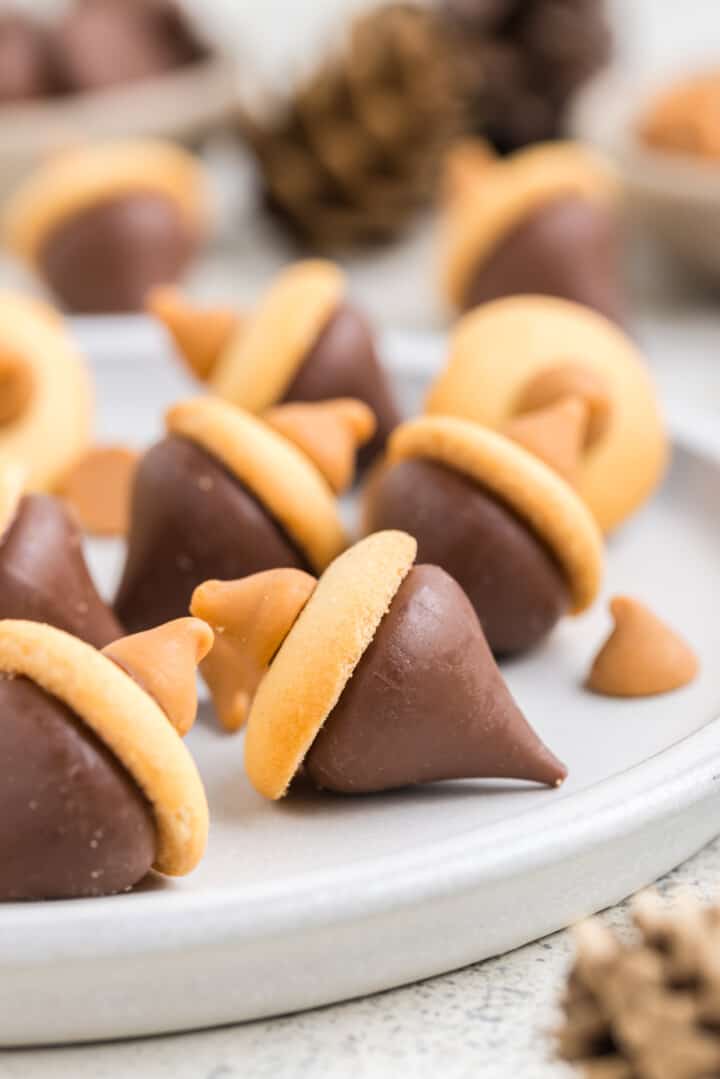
{"points": [[677, 196], [182, 104]]}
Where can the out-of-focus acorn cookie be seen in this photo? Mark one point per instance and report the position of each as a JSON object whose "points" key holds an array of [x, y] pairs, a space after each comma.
{"points": [[104, 223], [226, 494], [43, 573], [46, 400], [509, 529], [543, 220], [521, 355], [375, 677], [98, 787], [304, 341]]}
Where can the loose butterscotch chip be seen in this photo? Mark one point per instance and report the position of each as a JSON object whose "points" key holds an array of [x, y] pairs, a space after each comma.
{"points": [[98, 488], [642, 656], [686, 118]]}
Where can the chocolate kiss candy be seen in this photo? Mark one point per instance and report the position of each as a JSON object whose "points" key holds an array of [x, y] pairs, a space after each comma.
{"points": [[568, 247], [513, 580], [221, 496], [26, 68], [84, 808], [43, 575], [105, 257], [427, 702], [642, 656], [331, 353], [344, 363], [251, 618], [72, 821]]}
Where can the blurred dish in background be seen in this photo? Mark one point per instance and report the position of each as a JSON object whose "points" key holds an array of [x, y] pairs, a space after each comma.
{"points": [[671, 179], [108, 68]]}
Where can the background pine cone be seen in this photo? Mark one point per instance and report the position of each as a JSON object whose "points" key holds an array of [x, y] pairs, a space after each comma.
{"points": [[649, 1009], [520, 61], [359, 147]]}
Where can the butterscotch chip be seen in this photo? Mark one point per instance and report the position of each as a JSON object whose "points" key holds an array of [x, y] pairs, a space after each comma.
{"points": [[556, 434], [12, 486], [163, 661], [201, 334], [251, 618], [686, 117], [130, 723], [319, 654], [99, 486], [537, 494], [570, 380], [642, 656], [17, 383], [328, 432]]}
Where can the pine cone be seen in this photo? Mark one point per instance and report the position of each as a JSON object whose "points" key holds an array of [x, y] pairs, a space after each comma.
{"points": [[358, 149], [650, 1009], [520, 61]]}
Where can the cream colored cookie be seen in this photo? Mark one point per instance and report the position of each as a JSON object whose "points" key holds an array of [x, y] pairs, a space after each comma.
{"points": [[479, 215], [278, 473], [533, 490], [76, 179], [499, 348], [260, 361], [319, 655], [54, 427], [128, 721]]}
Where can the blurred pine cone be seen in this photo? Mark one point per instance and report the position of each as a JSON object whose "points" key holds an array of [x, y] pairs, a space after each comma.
{"points": [[520, 61], [649, 1009], [358, 149]]}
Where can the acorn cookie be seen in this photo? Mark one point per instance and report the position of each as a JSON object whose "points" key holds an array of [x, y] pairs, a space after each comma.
{"points": [[510, 531], [46, 401], [226, 494], [104, 223], [543, 220], [523, 354], [377, 676], [98, 787], [43, 574], [303, 342]]}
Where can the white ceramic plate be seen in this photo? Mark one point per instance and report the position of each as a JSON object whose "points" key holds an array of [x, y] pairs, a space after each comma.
{"points": [[321, 898]]}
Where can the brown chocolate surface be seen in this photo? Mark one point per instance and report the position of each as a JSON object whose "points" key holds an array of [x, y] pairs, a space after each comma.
{"points": [[344, 363], [568, 248], [44, 577], [72, 821], [26, 66], [514, 583], [102, 43], [106, 257], [191, 521], [427, 702]]}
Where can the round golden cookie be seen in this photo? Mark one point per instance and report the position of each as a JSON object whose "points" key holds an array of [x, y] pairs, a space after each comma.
{"points": [[498, 348], [537, 494], [77, 179], [261, 359], [278, 473], [319, 654], [507, 191], [128, 721], [54, 426]]}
